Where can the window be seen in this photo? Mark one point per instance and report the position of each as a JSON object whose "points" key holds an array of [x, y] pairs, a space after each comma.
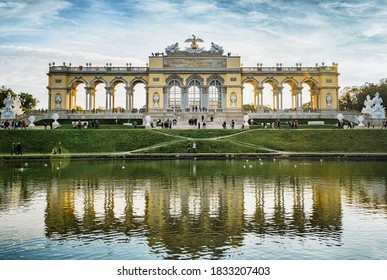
{"points": [[194, 93], [215, 94], [174, 94]]}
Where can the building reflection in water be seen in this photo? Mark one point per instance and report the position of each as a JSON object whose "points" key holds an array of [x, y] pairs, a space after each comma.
{"points": [[194, 215]]}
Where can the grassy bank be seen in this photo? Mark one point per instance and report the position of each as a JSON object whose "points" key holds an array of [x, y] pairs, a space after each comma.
{"points": [[112, 140]]}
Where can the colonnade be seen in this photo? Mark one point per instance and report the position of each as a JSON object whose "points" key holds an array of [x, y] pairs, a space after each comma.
{"points": [[277, 102], [90, 102]]}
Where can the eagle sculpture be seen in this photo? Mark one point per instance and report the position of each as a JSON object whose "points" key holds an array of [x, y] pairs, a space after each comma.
{"points": [[194, 40]]}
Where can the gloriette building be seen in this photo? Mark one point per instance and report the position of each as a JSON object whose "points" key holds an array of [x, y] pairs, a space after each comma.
{"points": [[181, 79]]}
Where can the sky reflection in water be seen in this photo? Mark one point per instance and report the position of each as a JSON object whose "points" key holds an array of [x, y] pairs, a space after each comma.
{"points": [[257, 209]]}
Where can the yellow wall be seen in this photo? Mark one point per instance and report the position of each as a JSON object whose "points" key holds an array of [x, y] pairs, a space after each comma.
{"points": [[63, 82]]}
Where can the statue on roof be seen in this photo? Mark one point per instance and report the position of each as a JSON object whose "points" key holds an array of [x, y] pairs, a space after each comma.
{"points": [[215, 48], [194, 40], [172, 48]]}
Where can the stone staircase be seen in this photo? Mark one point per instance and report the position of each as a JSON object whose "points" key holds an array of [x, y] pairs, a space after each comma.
{"points": [[183, 118]]}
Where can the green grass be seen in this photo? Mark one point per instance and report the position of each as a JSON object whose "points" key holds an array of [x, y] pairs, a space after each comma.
{"points": [[109, 139]]}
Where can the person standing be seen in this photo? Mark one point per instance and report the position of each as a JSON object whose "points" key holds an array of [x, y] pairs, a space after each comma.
{"points": [[13, 151], [194, 147]]}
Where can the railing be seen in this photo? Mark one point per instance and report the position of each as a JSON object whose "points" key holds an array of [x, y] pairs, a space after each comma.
{"points": [[103, 69], [289, 69], [107, 69]]}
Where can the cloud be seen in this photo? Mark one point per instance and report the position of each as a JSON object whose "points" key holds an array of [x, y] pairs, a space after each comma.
{"points": [[36, 12], [35, 33]]}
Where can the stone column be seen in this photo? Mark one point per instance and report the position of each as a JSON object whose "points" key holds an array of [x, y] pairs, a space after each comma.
{"points": [[184, 98], [294, 97], [299, 97], [88, 98], [274, 100], [205, 101], [256, 99], [112, 98], [108, 98], [146, 98], [165, 97], [279, 98], [260, 97], [128, 99], [312, 98], [69, 99], [49, 99], [92, 99], [224, 97], [318, 101]]}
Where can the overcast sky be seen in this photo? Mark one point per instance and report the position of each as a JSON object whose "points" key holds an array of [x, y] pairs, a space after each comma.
{"points": [[34, 33]]}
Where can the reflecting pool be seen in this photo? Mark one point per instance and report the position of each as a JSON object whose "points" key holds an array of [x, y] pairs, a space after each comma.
{"points": [[187, 209]]}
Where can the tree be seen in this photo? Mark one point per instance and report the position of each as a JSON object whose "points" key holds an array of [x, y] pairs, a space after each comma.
{"points": [[354, 97], [28, 102], [306, 106]]}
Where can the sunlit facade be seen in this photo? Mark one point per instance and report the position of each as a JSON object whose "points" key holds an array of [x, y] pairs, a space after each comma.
{"points": [[185, 79]]}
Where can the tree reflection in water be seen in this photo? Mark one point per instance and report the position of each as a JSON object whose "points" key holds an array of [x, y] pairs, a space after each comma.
{"points": [[193, 210]]}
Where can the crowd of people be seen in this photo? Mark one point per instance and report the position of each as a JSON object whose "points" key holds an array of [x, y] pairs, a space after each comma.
{"points": [[165, 124], [94, 124], [14, 124]]}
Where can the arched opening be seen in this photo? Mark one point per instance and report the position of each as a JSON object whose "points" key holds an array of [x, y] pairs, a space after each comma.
{"points": [[99, 96], [174, 94], [174, 97], [80, 96], [308, 94], [194, 94], [288, 97], [119, 96], [248, 97], [215, 93], [268, 97], [139, 96]]}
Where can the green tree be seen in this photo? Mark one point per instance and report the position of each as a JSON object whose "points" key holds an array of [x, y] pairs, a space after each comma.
{"points": [[306, 106], [28, 102], [354, 97]]}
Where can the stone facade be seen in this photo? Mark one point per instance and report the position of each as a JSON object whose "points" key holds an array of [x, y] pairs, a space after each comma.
{"points": [[185, 79]]}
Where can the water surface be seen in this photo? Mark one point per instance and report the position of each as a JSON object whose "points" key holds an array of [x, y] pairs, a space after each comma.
{"points": [[184, 209]]}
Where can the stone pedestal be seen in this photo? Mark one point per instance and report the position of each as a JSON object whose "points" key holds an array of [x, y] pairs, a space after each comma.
{"points": [[148, 119]]}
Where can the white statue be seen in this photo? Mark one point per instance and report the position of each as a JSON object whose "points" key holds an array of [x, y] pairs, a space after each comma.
{"points": [[329, 101], [246, 124], [8, 112], [17, 107], [55, 117], [360, 119], [233, 98], [156, 99], [31, 119], [172, 48], [378, 111], [367, 106], [148, 119], [58, 101], [373, 107], [216, 48]]}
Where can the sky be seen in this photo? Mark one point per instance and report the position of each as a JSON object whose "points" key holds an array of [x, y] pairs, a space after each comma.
{"points": [[34, 33]]}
